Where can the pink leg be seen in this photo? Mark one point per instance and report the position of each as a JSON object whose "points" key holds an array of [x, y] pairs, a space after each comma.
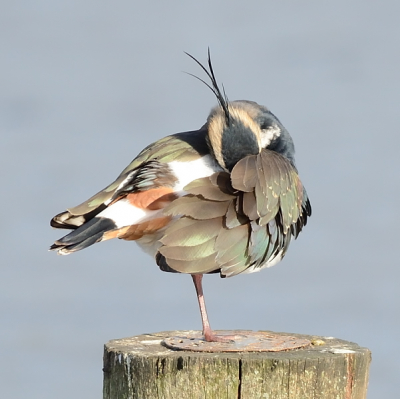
{"points": [[208, 333]]}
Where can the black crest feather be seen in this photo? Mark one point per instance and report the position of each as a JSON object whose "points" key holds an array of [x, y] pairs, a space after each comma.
{"points": [[221, 96]]}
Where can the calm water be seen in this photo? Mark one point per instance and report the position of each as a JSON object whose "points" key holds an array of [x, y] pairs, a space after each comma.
{"points": [[85, 86]]}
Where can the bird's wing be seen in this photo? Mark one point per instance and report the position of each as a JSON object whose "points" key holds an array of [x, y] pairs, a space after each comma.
{"points": [[147, 171], [236, 223]]}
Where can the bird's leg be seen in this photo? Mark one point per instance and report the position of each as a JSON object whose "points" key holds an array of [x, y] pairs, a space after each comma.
{"points": [[209, 336]]}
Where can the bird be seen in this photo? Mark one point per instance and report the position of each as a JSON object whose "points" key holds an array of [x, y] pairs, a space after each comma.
{"points": [[226, 198]]}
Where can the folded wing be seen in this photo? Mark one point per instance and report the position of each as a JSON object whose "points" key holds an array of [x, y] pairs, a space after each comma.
{"points": [[236, 223]]}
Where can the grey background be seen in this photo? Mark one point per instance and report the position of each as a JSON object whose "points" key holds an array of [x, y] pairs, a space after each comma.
{"points": [[85, 85]]}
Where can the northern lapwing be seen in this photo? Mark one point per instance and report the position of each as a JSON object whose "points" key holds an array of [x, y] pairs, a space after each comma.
{"points": [[226, 198]]}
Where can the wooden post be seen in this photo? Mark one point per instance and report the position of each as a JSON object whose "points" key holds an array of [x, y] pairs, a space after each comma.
{"points": [[141, 368]]}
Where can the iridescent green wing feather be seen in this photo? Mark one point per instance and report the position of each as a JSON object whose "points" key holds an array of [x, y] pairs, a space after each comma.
{"points": [[138, 175], [230, 223]]}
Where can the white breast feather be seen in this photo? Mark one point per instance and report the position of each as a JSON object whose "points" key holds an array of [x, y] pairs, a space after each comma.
{"points": [[186, 172], [125, 214]]}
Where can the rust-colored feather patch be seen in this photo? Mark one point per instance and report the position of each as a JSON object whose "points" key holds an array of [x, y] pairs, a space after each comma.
{"points": [[136, 231], [139, 230], [152, 200], [156, 198]]}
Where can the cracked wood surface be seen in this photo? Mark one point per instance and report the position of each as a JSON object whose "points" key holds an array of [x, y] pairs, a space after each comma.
{"points": [[141, 368]]}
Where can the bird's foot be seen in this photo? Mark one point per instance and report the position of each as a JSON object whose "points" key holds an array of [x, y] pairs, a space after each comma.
{"points": [[209, 336]]}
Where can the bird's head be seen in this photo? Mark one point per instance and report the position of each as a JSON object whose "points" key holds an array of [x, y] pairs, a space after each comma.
{"points": [[237, 129]]}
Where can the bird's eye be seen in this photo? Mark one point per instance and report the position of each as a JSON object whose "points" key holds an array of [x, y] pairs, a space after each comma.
{"points": [[264, 125]]}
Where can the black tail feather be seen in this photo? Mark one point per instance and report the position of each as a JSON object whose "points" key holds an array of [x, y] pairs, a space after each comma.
{"points": [[84, 236]]}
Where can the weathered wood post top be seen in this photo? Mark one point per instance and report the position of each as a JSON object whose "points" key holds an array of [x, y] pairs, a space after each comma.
{"points": [[142, 367]]}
